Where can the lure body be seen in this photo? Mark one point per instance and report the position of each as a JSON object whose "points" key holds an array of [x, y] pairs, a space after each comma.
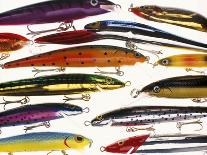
{"points": [[175, 16], [11, 42], [43, 141], [55, 11], [30, 114], [178, 87], [140, 29], [83, 56], [59, 85], [184, 60], [148, 115]]}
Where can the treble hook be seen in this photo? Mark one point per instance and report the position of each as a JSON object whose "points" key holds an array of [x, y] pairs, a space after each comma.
{"points": [[180, 124], [134, 129], [196, 71], [148, 61], [135, 93], [199, 100], [84, 97], [64, 152], [118, 72], [62, 27], [46, 124], [23, 101], [37, 71], [4, 56]]}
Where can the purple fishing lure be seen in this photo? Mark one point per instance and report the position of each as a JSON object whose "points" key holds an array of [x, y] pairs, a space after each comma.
{"points": [[55, 11]]}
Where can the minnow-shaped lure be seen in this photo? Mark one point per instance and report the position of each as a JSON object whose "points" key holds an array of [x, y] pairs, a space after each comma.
{"points": [[55, 11], [184, 60], [60, 84], [140, 29], [151, 144], [174, 16], [190, 86], [44, 141], [149, 115], [30, 114], [82, 56]]}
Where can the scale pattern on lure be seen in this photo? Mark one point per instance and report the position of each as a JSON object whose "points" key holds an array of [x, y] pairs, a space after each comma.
{"points": [[140, 29], [175, 16], [55, 11], [190, 86], [148, 115], [59, 85], [184, 60], [83, 56], [30, 114], [44, 141]]}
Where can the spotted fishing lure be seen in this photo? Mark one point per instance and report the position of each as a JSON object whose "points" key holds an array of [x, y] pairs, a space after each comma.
{"points": [[184, 60], [190, 86], [175, 16], [149, 144], [59, 85], [44, 141], [131, 117], [140, 29], [30, 114]]}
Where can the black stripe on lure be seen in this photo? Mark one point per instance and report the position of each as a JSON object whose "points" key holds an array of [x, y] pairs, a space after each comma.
{"points": [[140, 29], [181, 87], [147, 116], [44, 113]]}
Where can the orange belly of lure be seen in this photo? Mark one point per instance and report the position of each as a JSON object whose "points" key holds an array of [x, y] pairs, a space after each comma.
{"points": [[83, 56]]}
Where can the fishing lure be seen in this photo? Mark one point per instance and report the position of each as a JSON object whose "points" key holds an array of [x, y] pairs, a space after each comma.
{"points": [[30, 114], [44, 141], [10, 42], [151, 144], [190, 86], [82, 56], [140, 29], [56, 11], [134, 117], [175, 16]]}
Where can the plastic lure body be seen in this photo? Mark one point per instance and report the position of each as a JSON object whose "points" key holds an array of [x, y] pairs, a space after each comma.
{"points": [[83, 56], [140, 29], [43, 141], [184, 60], [148, 115], [178, 87], [175, 16], [30, 114], [62, 84], [55, 11]]}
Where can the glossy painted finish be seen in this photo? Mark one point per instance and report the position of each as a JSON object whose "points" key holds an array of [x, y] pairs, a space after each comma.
{"points": [[55, 11], [178, 87], [43, 141], [148, 115], [175, 16], [184, 60], [11, 42], [140, 29], [30, 114], [83, 56], [62, 84]]}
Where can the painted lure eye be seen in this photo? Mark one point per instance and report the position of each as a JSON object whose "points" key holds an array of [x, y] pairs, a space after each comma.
{"points": [[78, 139], [156, 89], [165, 62], [94, 2], [121, 142]]}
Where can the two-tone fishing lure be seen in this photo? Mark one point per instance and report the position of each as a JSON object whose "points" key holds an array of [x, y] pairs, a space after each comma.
{"points": [[140, 29], [82, 56], [147, 144], [10, 42], [44, 141], [134, 117], [181, 87], [44, 113], [55, 11], [175, 16]]}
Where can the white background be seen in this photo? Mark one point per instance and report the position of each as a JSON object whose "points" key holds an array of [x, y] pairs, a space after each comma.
{"points": [[140, 75]]}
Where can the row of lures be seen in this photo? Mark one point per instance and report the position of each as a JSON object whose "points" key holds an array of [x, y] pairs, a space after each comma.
{"points": [[164, 62]]}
